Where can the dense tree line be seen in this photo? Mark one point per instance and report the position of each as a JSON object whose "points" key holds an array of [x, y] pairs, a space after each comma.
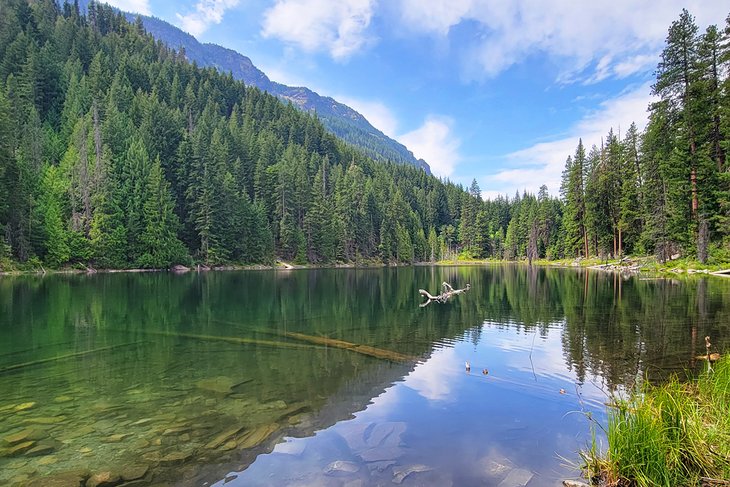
{"points": [[665, 190], [115, 151]]}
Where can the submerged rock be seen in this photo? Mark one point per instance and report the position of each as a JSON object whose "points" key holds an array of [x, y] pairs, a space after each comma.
{"points": [[257, 436], [380, 454], [381, 466], [400, 473], [46, 420], [229, 445], [133, 472], [219, 385], [575, 483], [24, 406], [278, 404], [341, 467], [61, 479], [104, 479], [117, 437], [386, 434], [223, 437], [495, 469], [48, 460], [18, 448], [40, 450], [176, 431], [175, 458], [143, 421], [24, 435], [516, 478], [355, 436]]}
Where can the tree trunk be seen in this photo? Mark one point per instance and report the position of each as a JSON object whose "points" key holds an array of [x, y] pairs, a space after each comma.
{"points": [[620, 243]]}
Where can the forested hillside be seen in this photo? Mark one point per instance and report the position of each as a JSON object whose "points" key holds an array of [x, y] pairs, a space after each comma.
{"points": [[336, 117], [117, 152]]}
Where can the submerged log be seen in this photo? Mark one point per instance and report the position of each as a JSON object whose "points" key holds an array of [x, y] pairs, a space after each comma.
{"points": [[8, 368], [444, 296], [354, 347], [236, 340]]}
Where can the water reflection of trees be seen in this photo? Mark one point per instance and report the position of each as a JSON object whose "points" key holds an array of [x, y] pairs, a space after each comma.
{"points": [[616, 328], [613, 327]]}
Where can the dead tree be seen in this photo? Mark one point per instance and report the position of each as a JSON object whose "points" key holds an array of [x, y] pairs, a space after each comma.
{"points": [[444, 296]]}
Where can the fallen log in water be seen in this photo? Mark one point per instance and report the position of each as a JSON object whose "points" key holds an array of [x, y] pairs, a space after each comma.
{"points": [[354, 347], [444, 296], [238, 340], [8, 368]]}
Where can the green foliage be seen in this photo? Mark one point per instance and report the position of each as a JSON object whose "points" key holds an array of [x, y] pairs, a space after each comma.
{"points": [[669, 435], [161, 247]]}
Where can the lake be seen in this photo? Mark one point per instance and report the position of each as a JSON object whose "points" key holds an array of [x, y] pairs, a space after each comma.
{"points": [[333, 377]]}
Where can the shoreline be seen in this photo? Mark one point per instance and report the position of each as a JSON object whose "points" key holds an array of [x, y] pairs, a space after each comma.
{"points": [[640, 265]]}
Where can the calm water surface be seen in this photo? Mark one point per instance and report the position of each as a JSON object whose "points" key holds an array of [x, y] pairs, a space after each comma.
{"points": [[223, 378]]}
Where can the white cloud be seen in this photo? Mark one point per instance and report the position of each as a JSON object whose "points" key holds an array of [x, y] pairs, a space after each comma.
{"points": [[339, 27], [207, 12], [435, 142], [543, 163], [135, 6], [589, 41], [433, 379], [376, 112]]}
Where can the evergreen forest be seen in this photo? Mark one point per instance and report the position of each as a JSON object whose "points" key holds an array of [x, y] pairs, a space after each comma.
{"points": [[116, 152]]}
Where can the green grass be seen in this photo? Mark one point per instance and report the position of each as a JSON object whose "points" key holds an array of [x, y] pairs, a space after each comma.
{"points": [[671, 435]]}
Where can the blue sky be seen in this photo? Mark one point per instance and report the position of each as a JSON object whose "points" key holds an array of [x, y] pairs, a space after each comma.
{"points": [[494, 90]]}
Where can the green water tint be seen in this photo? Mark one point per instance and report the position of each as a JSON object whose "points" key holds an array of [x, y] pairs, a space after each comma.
{"points": [[183, 378]]}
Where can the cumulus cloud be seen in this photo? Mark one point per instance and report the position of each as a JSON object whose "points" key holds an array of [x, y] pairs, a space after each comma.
{"points": [[377, 113], [135, 6], [543, 163], [339, 27], [433, 141], [206, 13], [434, 378], [436, 143], [589, 41]]}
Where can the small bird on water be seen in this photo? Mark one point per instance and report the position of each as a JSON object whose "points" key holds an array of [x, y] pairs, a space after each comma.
{"points": [[468, 366]]}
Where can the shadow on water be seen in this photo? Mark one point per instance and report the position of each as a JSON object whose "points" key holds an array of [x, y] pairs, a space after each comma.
{"points": [[185, 378]]}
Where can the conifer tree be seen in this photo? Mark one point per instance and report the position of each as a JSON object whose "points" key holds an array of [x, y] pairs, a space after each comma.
{"points": [[159, 243]]}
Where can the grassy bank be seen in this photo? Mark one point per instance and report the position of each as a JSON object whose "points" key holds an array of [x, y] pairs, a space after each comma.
{"points": [[677, 434]]}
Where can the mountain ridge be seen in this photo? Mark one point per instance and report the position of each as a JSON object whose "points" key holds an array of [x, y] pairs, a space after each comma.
{"points": [[338, 118]]}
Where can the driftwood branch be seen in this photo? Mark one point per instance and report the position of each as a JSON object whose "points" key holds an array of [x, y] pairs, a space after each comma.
{"points": [[448, 291]]}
